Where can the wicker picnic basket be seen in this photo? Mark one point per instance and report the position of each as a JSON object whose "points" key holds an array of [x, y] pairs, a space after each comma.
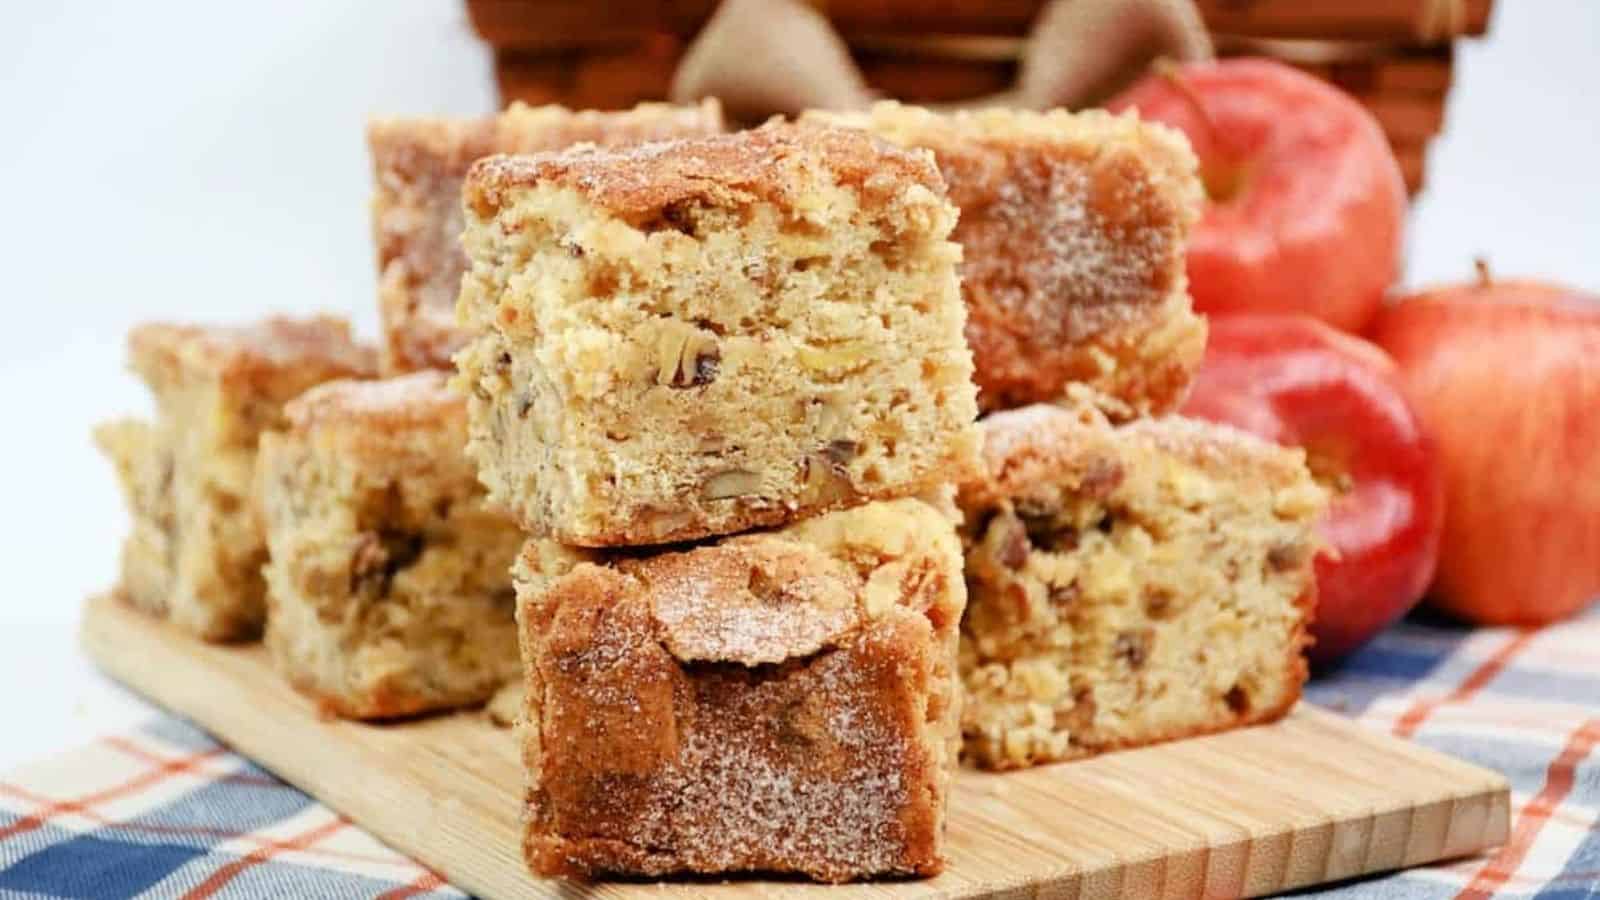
{"points": [[1394, 55]]}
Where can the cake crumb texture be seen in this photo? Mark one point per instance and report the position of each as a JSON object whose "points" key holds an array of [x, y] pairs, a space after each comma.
{"points": [[389, 580], [144, 470], [680, 340], [195, 548], [1130, 584], [418, 167]]}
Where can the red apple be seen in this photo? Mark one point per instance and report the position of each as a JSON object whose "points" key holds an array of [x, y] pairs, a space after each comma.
{"points": [[1306, 201], [1507, 376], [1298, 382]]}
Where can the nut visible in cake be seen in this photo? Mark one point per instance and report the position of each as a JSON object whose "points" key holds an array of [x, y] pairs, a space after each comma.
{"points": [[1130, 584], [695, 338]]}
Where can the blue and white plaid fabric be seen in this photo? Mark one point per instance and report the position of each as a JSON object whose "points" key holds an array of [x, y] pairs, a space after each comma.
{"points": [[1525, 703], [168, 812]]}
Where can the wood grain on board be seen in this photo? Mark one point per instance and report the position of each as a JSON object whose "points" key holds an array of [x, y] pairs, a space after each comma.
{"points": [[1310, 799]]}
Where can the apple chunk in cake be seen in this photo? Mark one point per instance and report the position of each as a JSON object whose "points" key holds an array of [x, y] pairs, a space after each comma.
{"points": [[1073, 227], [1130, 584], [782, 701], [195, 550], [418, 166], [389, 583], [700, 337]]}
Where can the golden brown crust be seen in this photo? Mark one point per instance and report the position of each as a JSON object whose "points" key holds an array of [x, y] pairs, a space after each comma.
{"points": [[643, 182], [418, 400], [422, 149], [727, 741], [418, 166], [1073, 227], [1023, 447], [408, 427], [778, 702], [709, 607], [277, 349]]}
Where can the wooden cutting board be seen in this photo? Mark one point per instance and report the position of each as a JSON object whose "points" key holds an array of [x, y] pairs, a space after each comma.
{"points": [[1313, 798]]}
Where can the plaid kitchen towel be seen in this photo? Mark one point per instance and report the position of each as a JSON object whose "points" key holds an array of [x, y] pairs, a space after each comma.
{"points": [[1524, 702], [168, 812]]}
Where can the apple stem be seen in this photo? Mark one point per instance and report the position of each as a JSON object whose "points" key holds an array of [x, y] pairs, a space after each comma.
{"points": [[1480, 265], [1166, 68]]}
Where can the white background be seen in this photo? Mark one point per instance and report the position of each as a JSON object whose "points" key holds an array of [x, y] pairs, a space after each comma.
{"points": [[205, 161]]}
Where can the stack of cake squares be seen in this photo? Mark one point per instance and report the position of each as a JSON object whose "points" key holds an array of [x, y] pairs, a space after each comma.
{"points": [[723, 384], [678, 433]]}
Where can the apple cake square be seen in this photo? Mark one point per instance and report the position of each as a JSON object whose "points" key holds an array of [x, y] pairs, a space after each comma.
{"points": [[389, 582], [700, 337], [1130, 584], [1073, 227], [782, 701]]}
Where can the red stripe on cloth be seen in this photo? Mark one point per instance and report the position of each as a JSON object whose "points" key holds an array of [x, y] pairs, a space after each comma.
{"points": [[1407, 724], [1534, 883], [229, 872], [193, 830], [155, 776], [425, 882], [1497, 720], [137, 752], [1558, 782]]}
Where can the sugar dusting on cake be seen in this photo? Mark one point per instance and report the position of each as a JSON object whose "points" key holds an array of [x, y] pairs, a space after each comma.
{"points": [[752, 602], [417, 398], [805, 772], [829, 762]]}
